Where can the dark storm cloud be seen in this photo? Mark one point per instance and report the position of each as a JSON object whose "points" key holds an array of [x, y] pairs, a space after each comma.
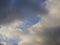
{"points": [[11, 10]]}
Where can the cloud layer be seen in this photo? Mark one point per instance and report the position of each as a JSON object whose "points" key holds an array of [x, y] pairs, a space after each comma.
{"points": [[45, 32], [11, 10]]}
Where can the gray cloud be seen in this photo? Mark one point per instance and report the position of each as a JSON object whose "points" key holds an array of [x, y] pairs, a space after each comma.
{"points": [[52, 36], [47, 31], [13, 10]]}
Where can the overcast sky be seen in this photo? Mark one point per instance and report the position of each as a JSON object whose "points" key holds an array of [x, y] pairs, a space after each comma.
{"points": [[30, 22]]}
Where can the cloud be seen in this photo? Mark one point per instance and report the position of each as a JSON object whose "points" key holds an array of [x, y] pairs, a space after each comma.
{"points": [[53, 18], [18, 9], [44, 32], [47, 31]]}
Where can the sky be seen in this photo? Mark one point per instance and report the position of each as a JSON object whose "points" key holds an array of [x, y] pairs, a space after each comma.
{"points": [[30, 22]]}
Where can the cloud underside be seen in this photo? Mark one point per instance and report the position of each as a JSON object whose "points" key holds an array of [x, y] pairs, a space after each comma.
{"points": [[45, 32], [13, 10]]}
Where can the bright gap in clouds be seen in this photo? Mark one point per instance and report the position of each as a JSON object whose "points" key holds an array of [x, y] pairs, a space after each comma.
{"points": [[12, 41], [29, 21]]}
